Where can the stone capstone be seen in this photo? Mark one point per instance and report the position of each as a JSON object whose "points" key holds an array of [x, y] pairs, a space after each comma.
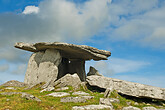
{"points": [[70, 51], [92, 107], [93, 71], [131, 108], [127, 88], [68, 80]]}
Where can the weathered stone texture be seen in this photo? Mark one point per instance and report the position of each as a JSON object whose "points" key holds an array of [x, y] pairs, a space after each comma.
{"points": [[68, 80], [67, 50], [92, 107], [43, 67], [127, 88], [93, 71]]}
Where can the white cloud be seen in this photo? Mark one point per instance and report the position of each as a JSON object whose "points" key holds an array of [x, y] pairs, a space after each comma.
{"points": [[30, 10], [4, 67], [118, 65], [56, 20], [140, 22]]}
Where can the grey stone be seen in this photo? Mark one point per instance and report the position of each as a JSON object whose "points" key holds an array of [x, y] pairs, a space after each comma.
{"points": [[10, 88], [48, 89], [30, 97], [80, 93], [130, 108], [127, 88], [93, 71], [68, 80], [111, 100], [62, 89], [58, 94], [88, 97], [149, 108], [14, 83], [70, 51], [7, 100], [73, 99], [31, 76], [108, 92], [92, 107], [43, 67], [11, 93], [105, 101]]}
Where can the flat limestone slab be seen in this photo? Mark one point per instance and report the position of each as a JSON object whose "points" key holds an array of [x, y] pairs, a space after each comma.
{"points": [[127, 88], [71, 51], [92, 107], [58, 94]]}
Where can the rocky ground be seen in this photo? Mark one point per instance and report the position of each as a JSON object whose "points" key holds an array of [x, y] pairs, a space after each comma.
{"points": [[15, 95]]}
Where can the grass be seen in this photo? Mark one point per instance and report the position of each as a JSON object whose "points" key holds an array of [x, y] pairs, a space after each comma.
{"points": [[16, 102]]}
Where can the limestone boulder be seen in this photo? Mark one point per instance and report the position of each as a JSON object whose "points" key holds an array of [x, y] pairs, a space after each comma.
{"points": [[58, 94], [93, 107], [71, 51], [131, 108], [93, 71], [43, 67], [68, 80], [127, 88]]}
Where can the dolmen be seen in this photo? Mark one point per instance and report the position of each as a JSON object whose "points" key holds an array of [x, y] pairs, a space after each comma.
{"points": [[51, 61]]}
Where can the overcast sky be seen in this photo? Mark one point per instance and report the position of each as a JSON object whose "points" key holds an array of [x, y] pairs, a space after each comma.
{"points": [[133, 30]]}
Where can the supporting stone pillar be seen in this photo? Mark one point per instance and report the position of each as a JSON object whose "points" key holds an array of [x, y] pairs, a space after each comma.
{"points": [[43, 67], [77, 66]]}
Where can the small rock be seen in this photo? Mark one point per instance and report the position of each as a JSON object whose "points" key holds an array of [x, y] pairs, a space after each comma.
{"points": [[7, 100], [49, 88], [136, 103], [10, 88], [58, 94], [105, 101], [14, 83], [108, 92], [10, 93], [93, 71], [88, 97], [131, 108], [68, 80], [80, 93], [149, 108], [92, 107], [30, 97], [62, 89], [128, 103], [73, 99]]}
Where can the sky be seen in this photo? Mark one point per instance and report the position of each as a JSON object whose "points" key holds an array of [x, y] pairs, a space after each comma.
{"points": [[132, 30]]}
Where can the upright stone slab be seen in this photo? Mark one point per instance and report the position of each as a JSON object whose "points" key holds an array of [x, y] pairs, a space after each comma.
{"points": [[43, 67], [31, 76], [48, 67]]}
